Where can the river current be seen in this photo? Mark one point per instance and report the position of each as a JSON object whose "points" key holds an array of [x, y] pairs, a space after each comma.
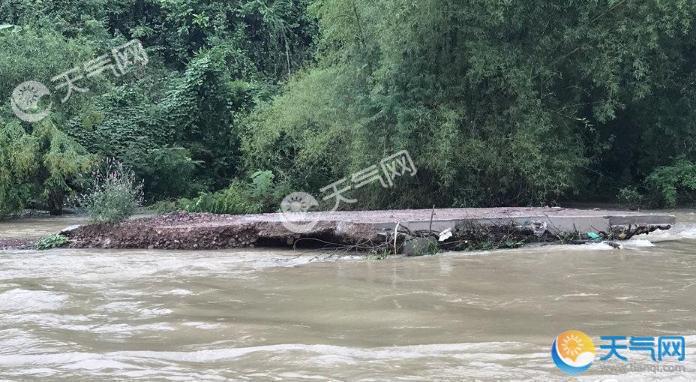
{"points": [[269, 315]]}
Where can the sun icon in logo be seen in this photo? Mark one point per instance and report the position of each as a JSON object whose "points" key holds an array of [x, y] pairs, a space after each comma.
{"points": [[572, 345], [573, 352]]}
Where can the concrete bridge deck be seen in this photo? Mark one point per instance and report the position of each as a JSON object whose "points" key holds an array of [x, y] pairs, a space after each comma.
{"points": [[555, 219]]}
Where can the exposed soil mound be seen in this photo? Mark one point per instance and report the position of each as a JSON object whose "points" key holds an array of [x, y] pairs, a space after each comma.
{"points": [[208, 231]]}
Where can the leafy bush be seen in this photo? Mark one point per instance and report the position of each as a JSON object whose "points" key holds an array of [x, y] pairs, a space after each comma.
{"points": [[670, 185], [63, 167], [52, 241], [167, 172], [17, 162], [115, 196], [260, 194], [164, 206], [43, 167], [631, 198]]}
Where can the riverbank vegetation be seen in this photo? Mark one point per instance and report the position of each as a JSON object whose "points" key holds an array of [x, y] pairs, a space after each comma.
{"points": [[114, 195], [51, 242], [244, 101]]}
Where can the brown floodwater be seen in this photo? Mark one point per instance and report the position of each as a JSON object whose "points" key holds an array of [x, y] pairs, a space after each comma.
{"points": [[283, 315]]}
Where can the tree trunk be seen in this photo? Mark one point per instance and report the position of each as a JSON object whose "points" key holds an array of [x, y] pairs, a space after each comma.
{"points": [[55, 202]]}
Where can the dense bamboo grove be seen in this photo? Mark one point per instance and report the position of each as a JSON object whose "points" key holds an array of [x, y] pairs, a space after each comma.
{"points": [[241, 101]]}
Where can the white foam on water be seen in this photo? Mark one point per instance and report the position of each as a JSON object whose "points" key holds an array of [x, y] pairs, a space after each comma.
{"points": [[592, 247], [491, 351], [180, 292], [492, 360], [575, 295], [637, 243], [203, 325], [131, 330], [680, 231], [27, 301], [85, 267]]}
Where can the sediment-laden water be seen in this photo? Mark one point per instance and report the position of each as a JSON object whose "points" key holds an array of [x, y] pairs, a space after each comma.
{"points": [[273, 315]]}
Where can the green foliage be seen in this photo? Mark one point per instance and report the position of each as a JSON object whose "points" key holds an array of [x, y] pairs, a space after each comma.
{"points": [[276, 35], [631, 198], [498, 103], [167, 171], [63, 165], [51, 241], [209, 61], [200, 108], [495, 104], [17, 162], [166, 206], [260, 194], [39, 54], [114, 196], [130, 125], [421, 246], [670, 185], [40, 164], [41, 168], [378, 254]]}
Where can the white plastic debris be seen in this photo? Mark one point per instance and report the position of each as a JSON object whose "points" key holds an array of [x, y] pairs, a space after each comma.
{"points": [[446, 234]]}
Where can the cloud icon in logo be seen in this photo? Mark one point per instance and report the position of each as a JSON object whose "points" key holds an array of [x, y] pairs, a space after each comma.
{"points": [[573, 352]]}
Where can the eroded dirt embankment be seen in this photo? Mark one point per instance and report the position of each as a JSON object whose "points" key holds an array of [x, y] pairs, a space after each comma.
{"points": [[207, 231]]}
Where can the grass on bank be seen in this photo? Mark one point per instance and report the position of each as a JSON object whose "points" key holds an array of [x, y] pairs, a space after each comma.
{"points": [[51, 242]]}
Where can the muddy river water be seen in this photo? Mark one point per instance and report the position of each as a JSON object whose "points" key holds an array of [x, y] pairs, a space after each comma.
{"points": [[310, 316]]}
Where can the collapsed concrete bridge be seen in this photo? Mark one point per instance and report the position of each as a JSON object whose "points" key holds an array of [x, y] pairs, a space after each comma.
{"points": [[369, 229]]}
